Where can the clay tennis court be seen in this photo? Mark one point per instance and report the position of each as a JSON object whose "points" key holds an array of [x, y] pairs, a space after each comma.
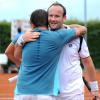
{"points": [[6, 88]]}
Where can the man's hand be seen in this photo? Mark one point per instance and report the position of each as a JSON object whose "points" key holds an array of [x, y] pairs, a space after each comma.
{"points": [[96, 95], [30, 36]]}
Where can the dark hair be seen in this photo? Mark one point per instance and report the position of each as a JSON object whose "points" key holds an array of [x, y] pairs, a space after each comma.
{"points": [[58, 4], [19, 30], [39, 18]]}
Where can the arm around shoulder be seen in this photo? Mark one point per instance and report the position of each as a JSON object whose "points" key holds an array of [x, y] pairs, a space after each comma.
{"points": [[80, 30]]}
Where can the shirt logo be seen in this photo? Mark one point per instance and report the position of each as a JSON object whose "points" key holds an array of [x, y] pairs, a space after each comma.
{"points": [[70, 45]]}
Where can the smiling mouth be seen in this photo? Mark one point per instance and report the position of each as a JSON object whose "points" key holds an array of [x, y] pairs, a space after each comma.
{"points": [[53, 23]]}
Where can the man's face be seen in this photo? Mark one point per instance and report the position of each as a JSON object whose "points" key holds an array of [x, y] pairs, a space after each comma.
{"points": [[55, 17]]}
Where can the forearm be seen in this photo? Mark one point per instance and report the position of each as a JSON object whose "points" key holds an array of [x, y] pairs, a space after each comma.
{"points": [[18, 52], [75, 25], [10, 54], [90, 69], [18, 47], [80, 30], [27, 37], [14, 60]]}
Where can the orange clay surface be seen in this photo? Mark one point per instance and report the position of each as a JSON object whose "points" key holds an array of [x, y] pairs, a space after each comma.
{"points": [[6, 88]]}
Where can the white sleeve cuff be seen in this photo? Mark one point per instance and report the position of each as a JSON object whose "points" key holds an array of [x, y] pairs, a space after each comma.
{"points": [[20, 41]]}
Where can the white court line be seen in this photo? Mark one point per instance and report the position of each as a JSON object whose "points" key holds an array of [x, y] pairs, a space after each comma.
{"points": [[14, 78]]}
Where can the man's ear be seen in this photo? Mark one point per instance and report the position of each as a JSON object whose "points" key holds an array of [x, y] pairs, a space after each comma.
{"points": [[64, 18], [33, 26]]}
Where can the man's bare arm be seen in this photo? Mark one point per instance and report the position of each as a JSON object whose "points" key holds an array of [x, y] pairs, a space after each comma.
{"points": [[90, 70], [18, 52], [80, 30], [27, 37], [30, 36], [10, 54]]}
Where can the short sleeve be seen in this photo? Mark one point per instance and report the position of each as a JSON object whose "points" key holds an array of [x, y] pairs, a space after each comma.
{"points": [[67, 34], [84, 50]]}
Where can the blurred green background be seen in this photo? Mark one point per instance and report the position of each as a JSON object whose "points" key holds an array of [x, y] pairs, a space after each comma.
{"points": [[93, 38]]}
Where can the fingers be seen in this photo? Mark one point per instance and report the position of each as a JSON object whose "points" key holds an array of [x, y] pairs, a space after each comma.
{"points": [[35, 36], [36, 33], [96, 95], [30, 36], [32, 33], [96, 98], [30, 40]]}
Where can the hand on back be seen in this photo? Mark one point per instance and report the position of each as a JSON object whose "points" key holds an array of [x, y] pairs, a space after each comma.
{"points": [[30, 36]]}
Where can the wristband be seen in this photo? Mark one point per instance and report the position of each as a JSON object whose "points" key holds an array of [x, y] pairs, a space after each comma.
{"points": [[20, 41], [94, 86]]}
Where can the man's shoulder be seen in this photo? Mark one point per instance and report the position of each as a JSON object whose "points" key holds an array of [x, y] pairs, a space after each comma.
{"points": [[66, 30]]}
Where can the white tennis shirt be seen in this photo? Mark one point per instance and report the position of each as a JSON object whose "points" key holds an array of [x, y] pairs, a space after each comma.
{"points": [[71, 81]]}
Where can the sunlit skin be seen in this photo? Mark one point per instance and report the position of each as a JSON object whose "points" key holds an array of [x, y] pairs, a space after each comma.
{"points": [[55, 17]]}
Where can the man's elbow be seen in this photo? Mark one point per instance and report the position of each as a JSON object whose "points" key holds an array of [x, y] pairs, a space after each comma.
{"points": [[6, 53]]}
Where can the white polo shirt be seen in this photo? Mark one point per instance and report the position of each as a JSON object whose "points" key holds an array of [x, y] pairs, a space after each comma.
{"points": [[71, 81]]}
